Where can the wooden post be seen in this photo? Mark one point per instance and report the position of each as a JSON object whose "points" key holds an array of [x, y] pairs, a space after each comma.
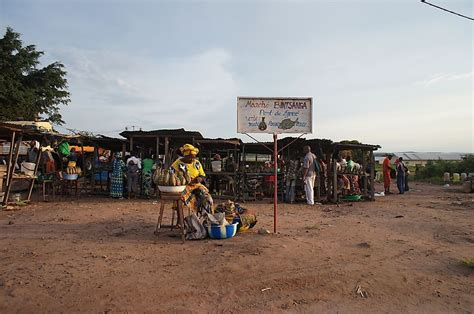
{"points": [[364, 167], [124, 149], [328, 176], [10, 156], [12, 170], [334, 182], [275, 190], [166, 161], [157, 148], [372, 175], [131, 144]]}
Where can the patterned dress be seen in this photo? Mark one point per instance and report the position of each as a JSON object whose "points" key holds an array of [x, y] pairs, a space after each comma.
{"points": [[116, 186], [147, 167]]}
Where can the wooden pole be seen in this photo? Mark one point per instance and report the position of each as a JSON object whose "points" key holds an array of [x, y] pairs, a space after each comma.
{"points": [[372, 176], [328, 176], [275, 190], [131, 144], [334, 182], [364, 166], [12, 170], [157, 148], [10, 156], [167, 143]]}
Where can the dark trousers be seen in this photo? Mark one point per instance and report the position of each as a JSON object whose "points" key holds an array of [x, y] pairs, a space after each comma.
{"points": [[132, 182], [401, 182], [214, 186]]}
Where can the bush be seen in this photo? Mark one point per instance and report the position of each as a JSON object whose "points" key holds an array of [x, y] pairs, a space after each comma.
{"points": [[436, 169]]}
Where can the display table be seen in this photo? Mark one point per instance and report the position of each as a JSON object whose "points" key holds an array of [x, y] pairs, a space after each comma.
{"points": [[177, 205]]}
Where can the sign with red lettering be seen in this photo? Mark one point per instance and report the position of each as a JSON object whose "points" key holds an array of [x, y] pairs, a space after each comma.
{"points": [[274, 115]]}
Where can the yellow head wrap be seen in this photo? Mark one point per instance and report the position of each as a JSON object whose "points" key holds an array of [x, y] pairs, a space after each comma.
{"points": [[189, 149]]}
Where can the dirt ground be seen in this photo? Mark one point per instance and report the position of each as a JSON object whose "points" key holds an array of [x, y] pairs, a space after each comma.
{"points": [[100, 255]]}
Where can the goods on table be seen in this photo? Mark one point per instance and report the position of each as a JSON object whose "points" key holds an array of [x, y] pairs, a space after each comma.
{"points": [[73, 170], [170, 178]]}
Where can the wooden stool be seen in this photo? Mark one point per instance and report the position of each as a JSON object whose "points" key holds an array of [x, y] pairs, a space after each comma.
{"points": [[175, 198]]}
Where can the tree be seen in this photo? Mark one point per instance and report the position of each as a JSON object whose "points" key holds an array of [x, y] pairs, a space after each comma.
{"points": [[26, 90]]}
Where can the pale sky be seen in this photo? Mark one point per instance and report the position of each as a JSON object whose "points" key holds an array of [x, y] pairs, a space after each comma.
{"points": [[395, 73]]}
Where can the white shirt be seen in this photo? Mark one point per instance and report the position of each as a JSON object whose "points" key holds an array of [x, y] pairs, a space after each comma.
{"points": [[136, 161]]}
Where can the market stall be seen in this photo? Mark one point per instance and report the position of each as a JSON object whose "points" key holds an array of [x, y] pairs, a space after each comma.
{"points": [[220, 159], [163, 144]]}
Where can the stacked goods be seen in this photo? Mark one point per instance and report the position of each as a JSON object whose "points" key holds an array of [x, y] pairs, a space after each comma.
{"points": [[164, 177], [73, 170]]}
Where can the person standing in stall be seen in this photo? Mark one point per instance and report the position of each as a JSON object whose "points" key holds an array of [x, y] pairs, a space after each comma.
{"points": [[309, 174]]}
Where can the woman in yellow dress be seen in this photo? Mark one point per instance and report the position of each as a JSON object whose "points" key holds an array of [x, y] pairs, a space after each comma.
{"points": [[196, 196]]}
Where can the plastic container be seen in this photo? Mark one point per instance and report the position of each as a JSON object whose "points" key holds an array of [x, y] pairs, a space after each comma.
{"points": [[72, 176], [456, 178], [28, 168], [216, 166], [171, 189], [101, 176], [463, 176], [222, 232], [446, 177]]}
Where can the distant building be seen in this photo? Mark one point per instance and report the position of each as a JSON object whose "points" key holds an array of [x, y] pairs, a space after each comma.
{"points": [[420, 159]]}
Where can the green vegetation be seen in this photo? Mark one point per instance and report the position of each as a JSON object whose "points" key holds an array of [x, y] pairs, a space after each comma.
{"points": [[434, 170], [469, 262], [28, 91]]}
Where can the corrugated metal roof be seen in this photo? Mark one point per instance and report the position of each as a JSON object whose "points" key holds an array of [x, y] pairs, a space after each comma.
{"points": [[429, 156]]}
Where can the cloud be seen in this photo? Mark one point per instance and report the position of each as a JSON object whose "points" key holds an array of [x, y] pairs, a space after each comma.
{"points": [[149, 92], [437, 78]]}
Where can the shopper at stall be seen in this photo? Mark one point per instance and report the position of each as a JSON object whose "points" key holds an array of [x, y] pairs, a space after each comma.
{"points": [[147, 169], [400, 176], [290, 177], [386, 169], [134, 166], [309, 174], [118, 168], [196, 196]]}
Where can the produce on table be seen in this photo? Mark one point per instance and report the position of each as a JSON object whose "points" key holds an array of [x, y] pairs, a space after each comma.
{"points": [[165, 177], [73, 170]]}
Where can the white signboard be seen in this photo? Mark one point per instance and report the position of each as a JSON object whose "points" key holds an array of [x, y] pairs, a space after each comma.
{"points": [[274, 115]]}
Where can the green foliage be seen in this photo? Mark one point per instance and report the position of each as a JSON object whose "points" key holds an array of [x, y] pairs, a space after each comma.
{"points": [[436, 169], [469, 262], [27, 91]]}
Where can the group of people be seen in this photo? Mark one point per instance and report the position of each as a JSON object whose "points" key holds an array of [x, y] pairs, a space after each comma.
{"points": [[349, 180], [196, 195], [402, 174], [133, 170], [307, 173]]}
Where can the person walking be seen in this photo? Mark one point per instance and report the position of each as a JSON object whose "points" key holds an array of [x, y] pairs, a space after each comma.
{"points": [[401, 176], [309, 174], [386, 169]]}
